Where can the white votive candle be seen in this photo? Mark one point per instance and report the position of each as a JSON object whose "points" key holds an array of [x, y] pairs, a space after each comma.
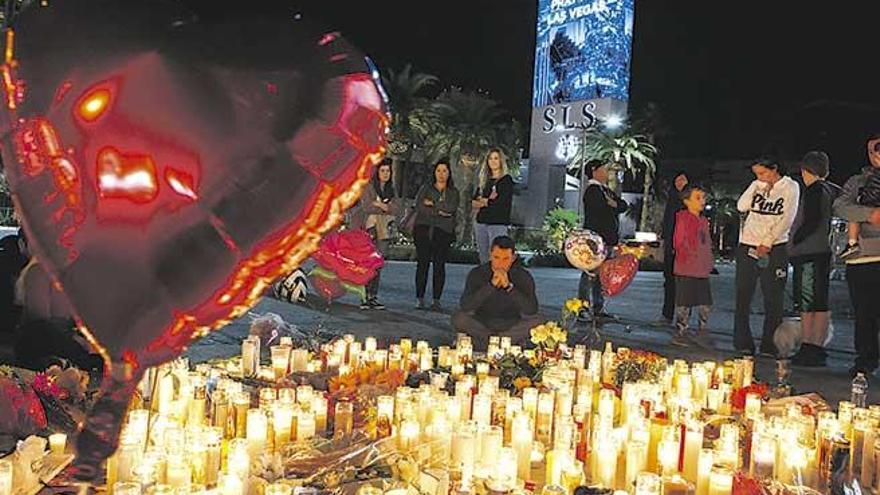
{"points": [[57, 443]]}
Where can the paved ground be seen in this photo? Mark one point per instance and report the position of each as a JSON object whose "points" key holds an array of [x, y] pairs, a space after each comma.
{"points": [[639, 306]]}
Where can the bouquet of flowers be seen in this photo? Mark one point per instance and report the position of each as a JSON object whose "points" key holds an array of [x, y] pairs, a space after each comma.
{"points": [[738, 397], [637, 365], [21, 413], [547, 337], [361, 388], [572, 309], [518, 372]]}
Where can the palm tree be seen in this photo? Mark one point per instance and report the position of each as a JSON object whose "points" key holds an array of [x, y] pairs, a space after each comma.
{"points": [[624, 152], [409, 108]]}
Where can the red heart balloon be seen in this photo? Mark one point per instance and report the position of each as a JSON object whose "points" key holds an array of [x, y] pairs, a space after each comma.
{"points": [[617, 273], [166, 171]]}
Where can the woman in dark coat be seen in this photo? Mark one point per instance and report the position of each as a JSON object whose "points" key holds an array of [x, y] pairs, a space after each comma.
{"points": [[673, 205]]}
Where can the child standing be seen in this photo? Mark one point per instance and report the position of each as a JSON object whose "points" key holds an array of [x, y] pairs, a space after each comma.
{"points": [[869, 195], [693, 264]]}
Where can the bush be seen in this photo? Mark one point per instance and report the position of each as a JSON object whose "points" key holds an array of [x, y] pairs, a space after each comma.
{"points": [[557, 225]]}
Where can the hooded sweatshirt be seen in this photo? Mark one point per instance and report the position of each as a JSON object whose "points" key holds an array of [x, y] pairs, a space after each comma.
{"points": [[770, 212]]}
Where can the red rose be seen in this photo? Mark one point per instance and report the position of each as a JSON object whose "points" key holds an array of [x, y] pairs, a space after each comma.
{"points": [[351, 255]]}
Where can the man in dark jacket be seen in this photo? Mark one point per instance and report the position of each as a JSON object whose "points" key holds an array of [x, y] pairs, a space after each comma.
{"points": [[673, 206], [602, 209], [499, 298]]}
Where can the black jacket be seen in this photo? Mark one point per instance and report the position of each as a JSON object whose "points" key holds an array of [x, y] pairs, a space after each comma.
{"points": [[490, 303], [673, 206], [599, 215]]}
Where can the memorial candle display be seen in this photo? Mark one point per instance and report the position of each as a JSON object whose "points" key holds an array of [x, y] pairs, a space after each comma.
{"points": [[648, 435]]}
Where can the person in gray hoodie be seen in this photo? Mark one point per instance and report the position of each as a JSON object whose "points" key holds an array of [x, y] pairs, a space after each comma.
{"points": [[863, 268], [810, 251], [770, 204]]}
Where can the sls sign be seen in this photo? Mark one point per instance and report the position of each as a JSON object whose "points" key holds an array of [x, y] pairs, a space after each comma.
{"points": [[582, 70]]}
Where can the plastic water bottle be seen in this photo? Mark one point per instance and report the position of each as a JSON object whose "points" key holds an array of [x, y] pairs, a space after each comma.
{"points": [[859, 390]]}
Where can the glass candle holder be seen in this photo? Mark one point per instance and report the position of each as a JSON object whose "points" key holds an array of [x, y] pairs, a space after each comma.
{"points": [[344, 418]]}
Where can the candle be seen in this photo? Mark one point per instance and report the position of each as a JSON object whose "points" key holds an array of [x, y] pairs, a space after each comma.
{"points": [[57, 443], [299, 360], [763, 456], [319, 407], [305, 425], [506, 469], [241, 404], [753, 405], [704, 471], [409, 435], [667, 453], [249, 357], [440, 438], [636, 460], [530, 402], [647, 484], [606, 467], [521, 441], [122, 488], [238, 461], [178, 473], [482, 413], [491, 441], [257, 431], [304, 395], [721, 481], [676, 485], [231, 485], [693, 443], [282, 422], [267, 396], [280, 361], [214, 447], [344, 418]]}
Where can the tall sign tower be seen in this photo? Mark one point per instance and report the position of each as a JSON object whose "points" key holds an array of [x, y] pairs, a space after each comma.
{"points": [[582, 72]]}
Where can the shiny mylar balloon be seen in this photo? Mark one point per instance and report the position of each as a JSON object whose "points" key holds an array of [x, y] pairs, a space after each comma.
{"points": [[617, 273], [584, 249], [166, 170], [350, 254]]}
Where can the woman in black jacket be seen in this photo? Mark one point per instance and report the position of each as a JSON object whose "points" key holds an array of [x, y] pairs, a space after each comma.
{"points": [[492, 202], [434, 231], [673, 205]]}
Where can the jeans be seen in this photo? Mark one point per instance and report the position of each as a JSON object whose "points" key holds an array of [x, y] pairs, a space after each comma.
{"points": [[485, 234], [864, 284], [372, 286], [518, 329], [590, 289], [683, 318], [432, 248], [772, 278]]}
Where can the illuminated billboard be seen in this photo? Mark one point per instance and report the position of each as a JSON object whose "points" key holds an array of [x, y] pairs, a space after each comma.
{"points": [[584, 50]]}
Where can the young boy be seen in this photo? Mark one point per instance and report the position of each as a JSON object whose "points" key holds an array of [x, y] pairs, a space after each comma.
{"points": [[693, 264], [869, 195]]}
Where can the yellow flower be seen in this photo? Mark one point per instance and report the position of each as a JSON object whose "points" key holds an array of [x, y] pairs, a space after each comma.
{"points": [[522, 382], [574, 305], [539, 334], [559, 335]]}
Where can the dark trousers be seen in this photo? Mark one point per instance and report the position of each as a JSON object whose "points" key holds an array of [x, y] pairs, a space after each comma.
{"points": [[864, 284], [590, 289], [772, 278], [372, 286], [518, 329], [668, 285], [432, 247]]}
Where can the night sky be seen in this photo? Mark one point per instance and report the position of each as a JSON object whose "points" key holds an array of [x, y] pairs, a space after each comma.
{"points": [[731, 78]]}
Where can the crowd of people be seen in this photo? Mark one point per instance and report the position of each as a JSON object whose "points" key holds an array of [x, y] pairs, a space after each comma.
{"points": [[784, 223]]}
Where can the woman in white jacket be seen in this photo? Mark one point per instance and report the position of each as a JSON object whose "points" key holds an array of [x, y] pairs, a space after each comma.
{"points": [[769, 205]]}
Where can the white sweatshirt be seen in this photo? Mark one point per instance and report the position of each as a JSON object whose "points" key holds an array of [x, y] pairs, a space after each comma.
{"points": [[771, 211]]}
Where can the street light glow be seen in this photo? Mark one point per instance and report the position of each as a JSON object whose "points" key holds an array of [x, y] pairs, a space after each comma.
{"points": [[613, 122]]}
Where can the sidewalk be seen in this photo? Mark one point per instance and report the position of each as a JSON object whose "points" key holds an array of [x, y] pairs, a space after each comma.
{"points": [[638, 306]]}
